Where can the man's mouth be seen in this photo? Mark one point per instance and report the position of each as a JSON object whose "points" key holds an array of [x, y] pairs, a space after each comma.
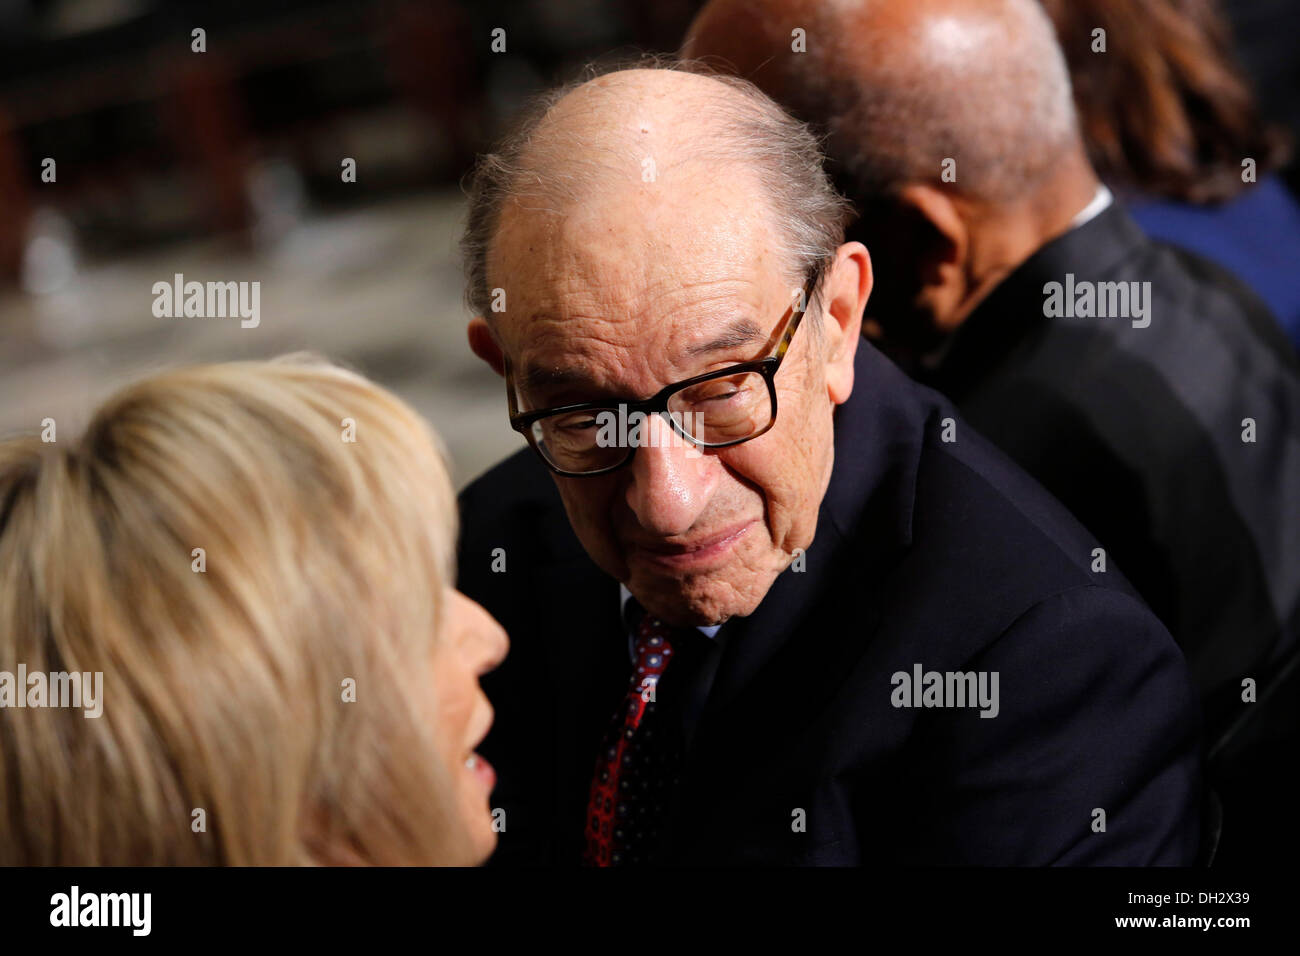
{"points": [[695, 553]]}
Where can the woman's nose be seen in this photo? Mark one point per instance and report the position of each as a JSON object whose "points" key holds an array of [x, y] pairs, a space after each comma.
{"points": [[486, 641]]}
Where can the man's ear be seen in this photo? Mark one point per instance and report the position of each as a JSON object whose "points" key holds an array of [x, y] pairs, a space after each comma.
{"points": [[942, 244], [484, 344], [845, 292]]}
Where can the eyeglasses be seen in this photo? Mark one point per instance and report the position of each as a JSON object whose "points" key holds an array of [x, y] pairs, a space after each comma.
{"points": [[715, 410]]}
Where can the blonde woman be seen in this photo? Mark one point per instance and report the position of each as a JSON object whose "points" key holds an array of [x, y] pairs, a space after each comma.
{"points": [[253, 562]]}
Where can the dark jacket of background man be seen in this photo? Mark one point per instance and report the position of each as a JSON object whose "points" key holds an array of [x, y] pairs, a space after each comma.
{"points": [[1143, 433], [1178, 445]]}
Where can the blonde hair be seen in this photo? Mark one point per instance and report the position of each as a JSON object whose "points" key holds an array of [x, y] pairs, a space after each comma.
{"points": [[326, 560]]}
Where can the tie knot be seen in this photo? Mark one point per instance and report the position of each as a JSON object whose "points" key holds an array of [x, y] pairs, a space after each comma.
{"points": [[653, 646]]}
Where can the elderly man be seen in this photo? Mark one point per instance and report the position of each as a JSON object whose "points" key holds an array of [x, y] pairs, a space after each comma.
{"points": [[1148, 390], [799, 612]]}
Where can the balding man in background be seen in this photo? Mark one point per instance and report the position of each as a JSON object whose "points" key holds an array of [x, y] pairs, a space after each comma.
{"points": [[769, 600], [1145, 387]]}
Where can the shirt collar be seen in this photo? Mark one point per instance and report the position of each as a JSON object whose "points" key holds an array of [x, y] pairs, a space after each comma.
{"points": [[1100, 202], [624, 595]]}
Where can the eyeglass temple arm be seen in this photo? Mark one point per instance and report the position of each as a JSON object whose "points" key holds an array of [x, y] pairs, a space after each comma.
{"points": [[795, 314], [511, 404]]}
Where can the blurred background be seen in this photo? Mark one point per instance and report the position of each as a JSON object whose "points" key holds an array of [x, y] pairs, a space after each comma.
{"points": [[227, 165]]}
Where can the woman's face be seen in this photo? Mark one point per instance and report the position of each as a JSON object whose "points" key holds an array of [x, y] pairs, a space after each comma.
{"points": [[473, 643]]}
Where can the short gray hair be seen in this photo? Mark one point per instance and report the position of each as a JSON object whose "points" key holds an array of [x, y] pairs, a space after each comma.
{"points": [[783, 152]]}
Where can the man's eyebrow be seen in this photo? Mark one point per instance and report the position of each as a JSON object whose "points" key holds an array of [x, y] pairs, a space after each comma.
{"points": [[741, 332], [535, 377]]}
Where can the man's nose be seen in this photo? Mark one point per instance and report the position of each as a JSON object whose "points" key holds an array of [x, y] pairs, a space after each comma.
{"points": [[671, 480]]}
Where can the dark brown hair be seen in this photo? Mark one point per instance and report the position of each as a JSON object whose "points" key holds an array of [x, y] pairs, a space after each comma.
{"points": [[1166, 109]]}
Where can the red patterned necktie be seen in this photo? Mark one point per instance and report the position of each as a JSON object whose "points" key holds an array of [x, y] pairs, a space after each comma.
{"points": [[633, 778]]}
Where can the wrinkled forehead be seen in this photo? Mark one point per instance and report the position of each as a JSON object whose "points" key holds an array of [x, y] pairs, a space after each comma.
{"points": [[661, 268]]}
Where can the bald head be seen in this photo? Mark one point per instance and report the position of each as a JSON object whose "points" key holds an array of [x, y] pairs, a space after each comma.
{"points": [[636, 134], [599, 133], [903, 85]]}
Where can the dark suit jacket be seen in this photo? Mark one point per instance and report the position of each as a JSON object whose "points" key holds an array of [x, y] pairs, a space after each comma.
{"points": [[927, 552], [1138, 431]]}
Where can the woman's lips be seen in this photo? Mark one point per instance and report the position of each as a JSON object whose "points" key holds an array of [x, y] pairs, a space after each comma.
{"points": [[482, 770], [693, 554]]}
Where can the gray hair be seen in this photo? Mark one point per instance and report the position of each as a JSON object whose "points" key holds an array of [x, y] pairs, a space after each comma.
{"points": [[809, 215]]}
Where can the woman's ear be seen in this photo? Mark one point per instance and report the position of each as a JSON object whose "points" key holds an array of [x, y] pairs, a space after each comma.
{"points": [[845, 292], [484, 344]]}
